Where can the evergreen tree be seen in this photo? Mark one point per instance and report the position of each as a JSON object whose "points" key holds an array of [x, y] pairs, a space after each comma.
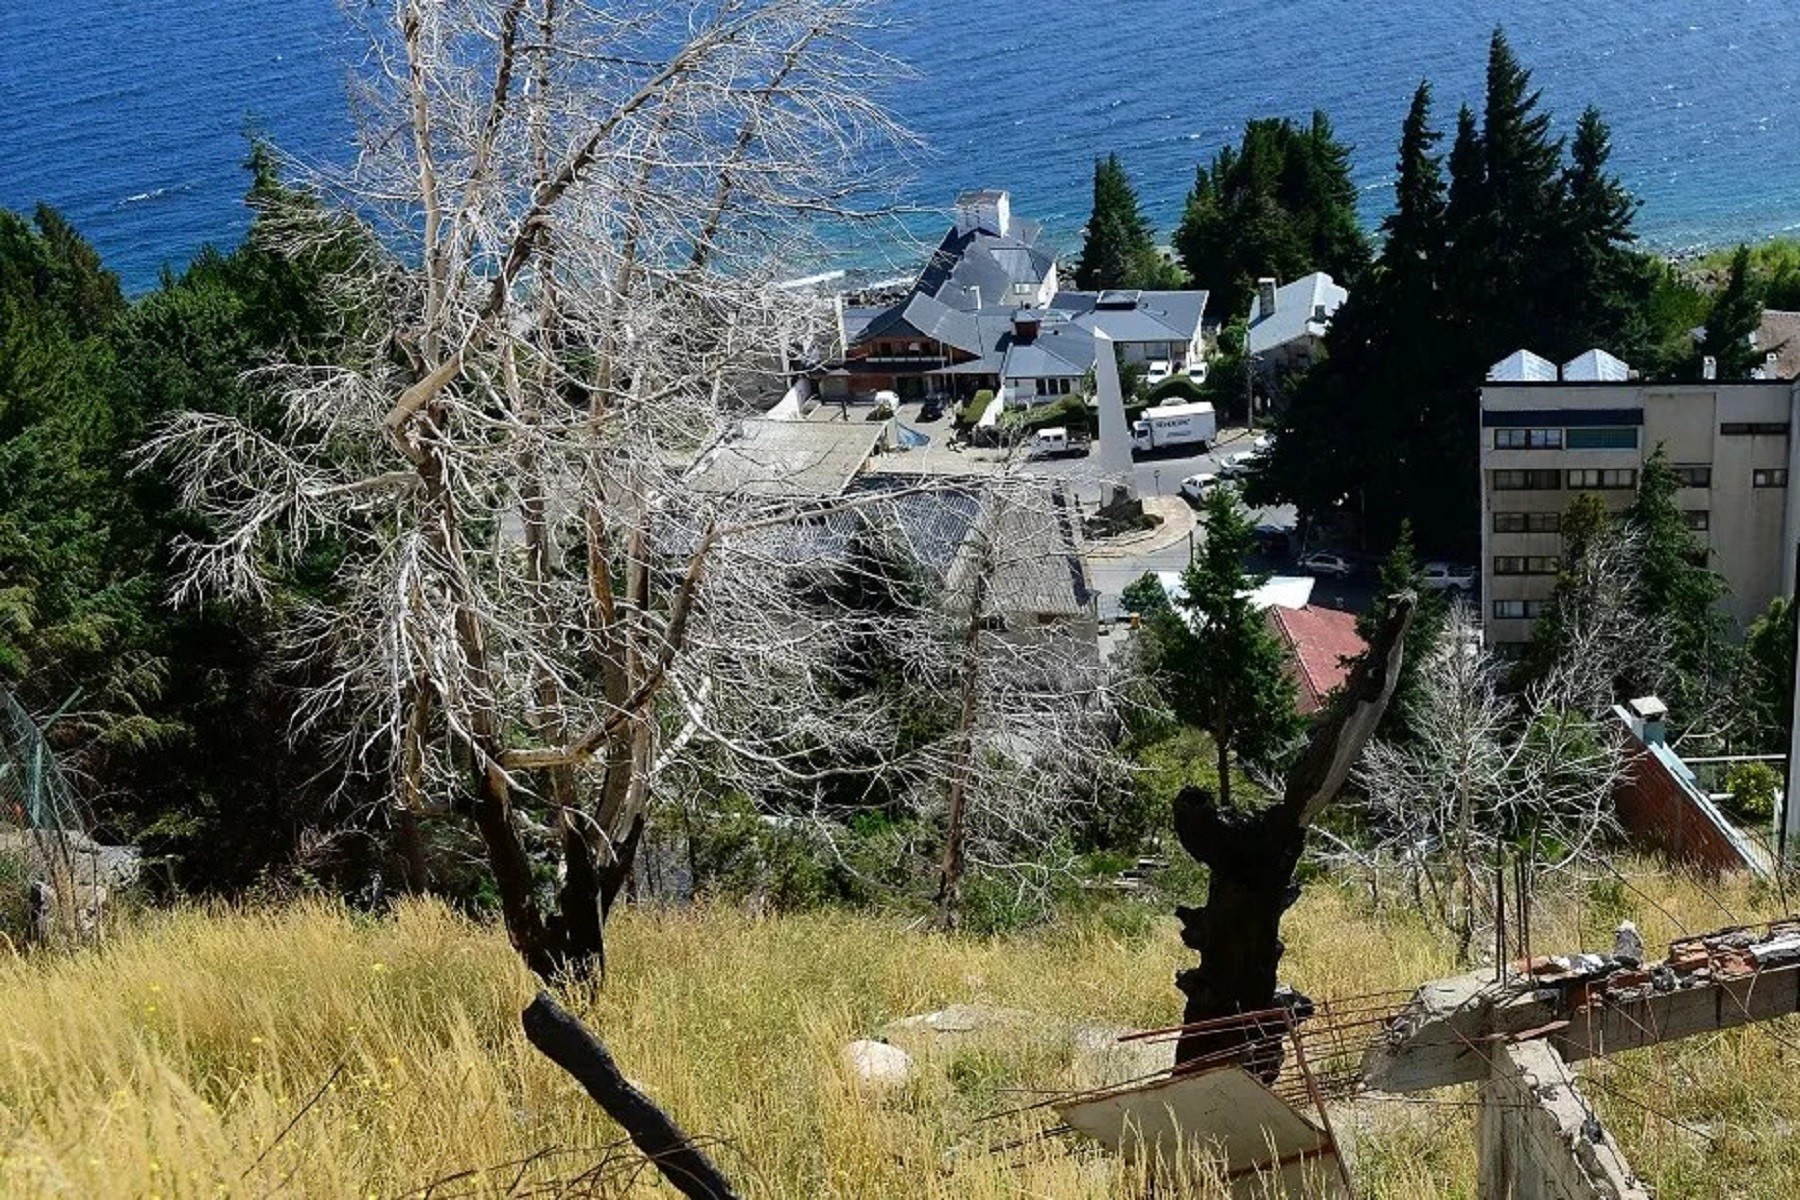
{"points": [[1414, 231], [1675, 585], [1118, 249], [1401, 572], [1604, 280], [1735, 315], [1768, 683], [1226, 669], [1280, 204], [1468, 179]]}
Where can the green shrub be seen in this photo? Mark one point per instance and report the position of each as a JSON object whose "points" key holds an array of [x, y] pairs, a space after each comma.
{"points": [[971, 412], [1177, 388], [1753, 787]]}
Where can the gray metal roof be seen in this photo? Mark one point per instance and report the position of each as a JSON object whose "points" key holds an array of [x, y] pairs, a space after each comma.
{"points": [[922, 316], [1061, 348], [982, 264], [1037, 570], [797, 459], [1150, 317], [1295, 305]]}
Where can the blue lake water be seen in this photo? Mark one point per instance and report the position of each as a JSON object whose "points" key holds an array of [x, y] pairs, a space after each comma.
{"points": [[129, 114]]}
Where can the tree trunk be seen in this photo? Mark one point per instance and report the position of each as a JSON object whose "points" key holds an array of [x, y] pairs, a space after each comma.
{"points": [[950, 872], [1253, 855], [1223, 749], [569, 1044]]}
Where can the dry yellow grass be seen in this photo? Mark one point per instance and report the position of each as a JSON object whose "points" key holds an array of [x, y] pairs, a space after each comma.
{"points": [[172, 1060]]}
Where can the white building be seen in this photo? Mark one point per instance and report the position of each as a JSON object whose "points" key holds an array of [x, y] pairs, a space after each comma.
{"points": [[1288, 324], [1589, 427]]}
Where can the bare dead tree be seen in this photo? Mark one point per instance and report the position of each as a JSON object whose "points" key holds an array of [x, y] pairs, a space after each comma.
{"points": [[1489, 775], [579, 212]]}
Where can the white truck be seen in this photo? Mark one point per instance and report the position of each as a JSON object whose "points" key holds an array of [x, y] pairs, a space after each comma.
{"points": [[1057, 442], [1175, 425]]}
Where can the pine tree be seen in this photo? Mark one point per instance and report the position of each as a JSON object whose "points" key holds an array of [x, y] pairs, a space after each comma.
{"points": [[1400, 572], [1736, 313], [1414, 231], [1281, 204], [1768, 684], [1604, 280], [1468, 179], [1228, 670], [1675, 585], [1119, 249]]}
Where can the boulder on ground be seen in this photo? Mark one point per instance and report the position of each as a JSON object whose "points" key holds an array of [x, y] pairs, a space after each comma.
{"points": [[877, 1064]]}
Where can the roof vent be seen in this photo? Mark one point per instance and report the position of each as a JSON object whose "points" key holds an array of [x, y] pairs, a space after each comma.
{"points": [[1522, 366], [1118, 298], [1026, 323]]}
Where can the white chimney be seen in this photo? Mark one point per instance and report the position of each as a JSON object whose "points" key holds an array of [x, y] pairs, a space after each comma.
{"points": [[990, 210], [1649, 719], [1771, 361], [1709, 368], [1265, 296]]}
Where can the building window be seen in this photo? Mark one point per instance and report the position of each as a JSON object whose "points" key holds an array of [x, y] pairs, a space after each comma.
{"points": [[1769, 479], [1694, 476], [1698, 519], [1055, 387], [1518, 522], [1527, 481], [1528, 439], [1604, 438], [1518, 610], [1522, 564], [1590, 477], [1753, 429]]}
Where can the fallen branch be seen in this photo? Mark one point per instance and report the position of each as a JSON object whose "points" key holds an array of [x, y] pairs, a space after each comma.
{"points": [[565, 1041]]}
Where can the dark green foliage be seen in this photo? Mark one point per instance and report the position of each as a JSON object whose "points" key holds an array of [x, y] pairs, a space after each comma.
{"points": [[1766, 685], [1280, 204], [1735, 314], [1518, 248], [968, 414], [1119, 249], [1222, 667], [1144, 595], [1675, 584], [1753, 787], [1400, 572], [177, 722], [1177, 389]]}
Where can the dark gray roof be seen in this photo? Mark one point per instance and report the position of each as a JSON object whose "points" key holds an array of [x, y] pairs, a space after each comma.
{"points": [[1061, 347], [1152, 317], [922, 316], [988, 263]]}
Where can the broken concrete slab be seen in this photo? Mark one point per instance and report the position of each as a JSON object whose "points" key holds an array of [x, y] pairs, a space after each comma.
{"points": [[1263, 1142], [1102, 1060], [1539, 1140]]}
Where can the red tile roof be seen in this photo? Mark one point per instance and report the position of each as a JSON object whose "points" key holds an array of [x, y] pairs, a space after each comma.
{"points": [[1320, 642]]}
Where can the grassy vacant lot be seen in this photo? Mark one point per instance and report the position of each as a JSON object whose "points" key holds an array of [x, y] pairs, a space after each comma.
{"points": [[302, 1051]]}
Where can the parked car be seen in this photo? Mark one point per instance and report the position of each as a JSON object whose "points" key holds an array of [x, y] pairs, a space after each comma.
{"points": [[1448, 575], [1196, 488], [931, 410], [1236, 466], [1057, 442], [1321, 562], [1196, 370], [1273, 540], [1261, 443], [1157, 372]]}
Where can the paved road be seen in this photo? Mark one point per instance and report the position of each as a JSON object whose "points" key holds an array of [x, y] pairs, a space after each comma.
{"points": [[1161, 476]]}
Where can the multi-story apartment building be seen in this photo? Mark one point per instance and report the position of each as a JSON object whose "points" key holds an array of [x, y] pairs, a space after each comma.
{"points": [[1549, 434]]}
